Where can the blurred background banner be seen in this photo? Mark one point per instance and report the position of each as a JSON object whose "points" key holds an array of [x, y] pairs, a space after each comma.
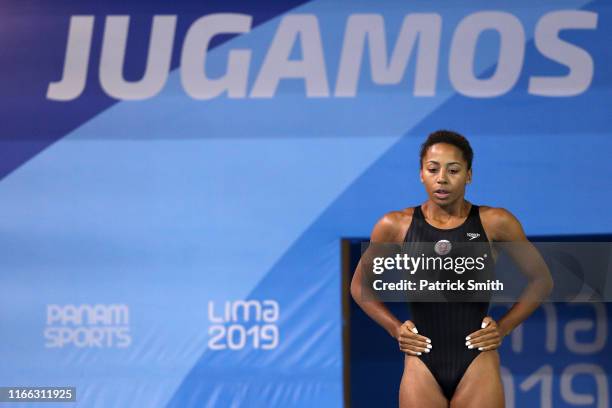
{"points": [[176, 179]]}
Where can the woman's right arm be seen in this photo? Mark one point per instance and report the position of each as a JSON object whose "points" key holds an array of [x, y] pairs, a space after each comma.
{"points": [[385, 231]]}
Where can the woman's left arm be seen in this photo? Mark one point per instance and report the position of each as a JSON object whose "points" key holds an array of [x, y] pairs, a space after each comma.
{"points": [[503, 227], [508, 230]]}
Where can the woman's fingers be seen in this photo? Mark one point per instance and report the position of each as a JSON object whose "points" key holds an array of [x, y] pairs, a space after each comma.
{"points": [[414, 350], [415, 341], [405, 332], [411, 352], [415, 337], [420, 345], [488, 326], [411, 342], [485, 344], [417, 348], [491, 347], [487, 338], [482, 332], [478, 341], [408, 330]]}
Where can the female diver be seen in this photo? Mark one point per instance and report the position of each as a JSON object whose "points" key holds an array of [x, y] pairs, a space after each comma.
{"points": [[450, 349]]}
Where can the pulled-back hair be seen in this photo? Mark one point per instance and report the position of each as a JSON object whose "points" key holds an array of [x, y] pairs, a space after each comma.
{"points": [[452, 138]]}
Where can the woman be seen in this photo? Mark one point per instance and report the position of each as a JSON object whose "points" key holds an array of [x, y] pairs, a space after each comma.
{"points": [[451, 348]]}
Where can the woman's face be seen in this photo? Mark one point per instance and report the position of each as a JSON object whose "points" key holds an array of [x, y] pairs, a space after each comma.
{"points": [[444, 173]]}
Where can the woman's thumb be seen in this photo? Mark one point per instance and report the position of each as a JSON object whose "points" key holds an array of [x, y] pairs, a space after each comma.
{"points": [[411, 326], [485, 322]]}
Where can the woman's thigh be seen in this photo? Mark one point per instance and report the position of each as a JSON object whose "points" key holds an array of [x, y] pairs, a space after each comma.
{"points": [[419, 389], [481, 385]]}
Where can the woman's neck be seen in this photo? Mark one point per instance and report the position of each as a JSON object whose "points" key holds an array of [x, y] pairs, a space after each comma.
{"points": [[458, 209]]}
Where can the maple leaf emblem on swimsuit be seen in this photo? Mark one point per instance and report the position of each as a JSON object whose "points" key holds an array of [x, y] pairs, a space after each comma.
{"points": [[442, 247]]}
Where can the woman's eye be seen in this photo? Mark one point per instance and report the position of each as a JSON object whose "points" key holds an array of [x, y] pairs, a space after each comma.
{"points": [[453, 171], [432, 170]]}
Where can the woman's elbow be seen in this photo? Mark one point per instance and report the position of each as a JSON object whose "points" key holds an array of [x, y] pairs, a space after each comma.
{"points": [[549, 285], [353, 290]]}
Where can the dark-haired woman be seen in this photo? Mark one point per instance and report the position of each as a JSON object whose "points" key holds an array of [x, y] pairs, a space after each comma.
{"points": [[450, 349]]}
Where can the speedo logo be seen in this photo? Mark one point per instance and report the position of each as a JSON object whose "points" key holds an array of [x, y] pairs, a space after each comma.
{"points": [[473, 235]]}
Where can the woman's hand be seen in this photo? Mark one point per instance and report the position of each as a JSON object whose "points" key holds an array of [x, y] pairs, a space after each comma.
{"points": [[487, 338], [410, 341]]}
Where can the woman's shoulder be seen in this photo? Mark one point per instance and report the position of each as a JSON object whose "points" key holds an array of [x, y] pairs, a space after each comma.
{"points": [[499, 221], [393, 225], [398, 218], [495, 214]]}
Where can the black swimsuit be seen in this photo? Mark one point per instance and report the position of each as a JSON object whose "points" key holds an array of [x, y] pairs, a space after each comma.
{"points": [[448, 323]]}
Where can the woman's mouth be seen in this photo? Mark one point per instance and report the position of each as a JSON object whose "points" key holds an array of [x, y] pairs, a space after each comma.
{"points": [[441, 194]]}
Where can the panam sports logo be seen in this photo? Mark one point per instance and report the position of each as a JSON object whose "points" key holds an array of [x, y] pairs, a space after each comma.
{"points": [[95, 326], [364, 34]]}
